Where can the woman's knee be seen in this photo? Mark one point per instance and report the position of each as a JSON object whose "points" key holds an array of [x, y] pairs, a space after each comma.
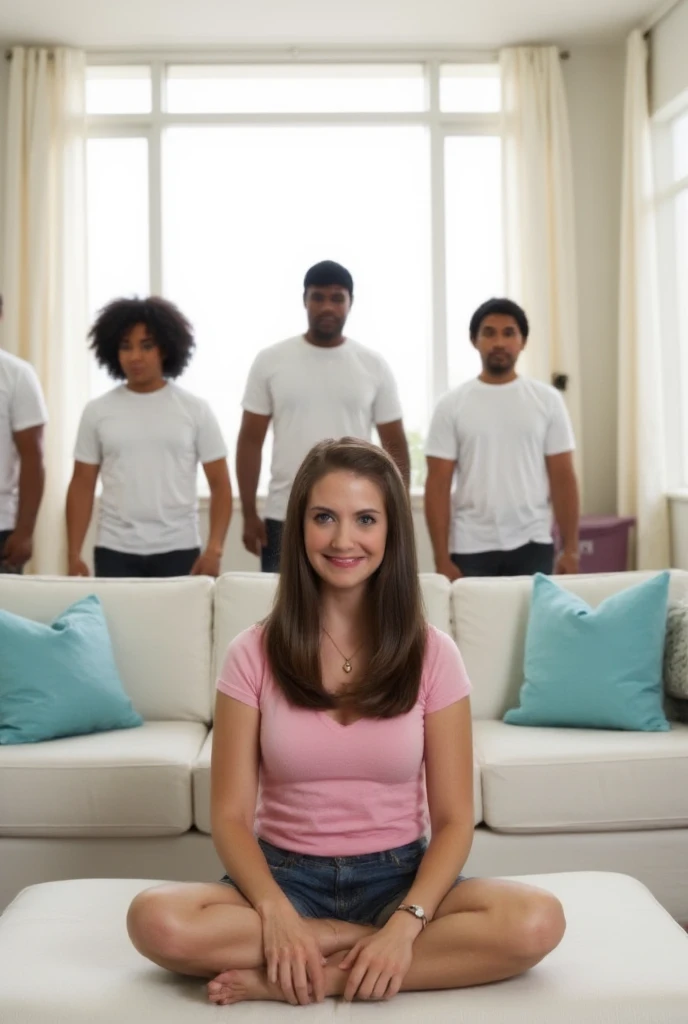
{"points": [[154, 927], [536, 926]]}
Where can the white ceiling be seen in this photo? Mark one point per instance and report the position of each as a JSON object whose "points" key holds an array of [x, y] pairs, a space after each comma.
{"points": [[464, 24]]}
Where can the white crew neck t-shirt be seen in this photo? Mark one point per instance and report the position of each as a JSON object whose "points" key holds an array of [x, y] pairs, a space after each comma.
{"points": [[148, 447], [499, 435], [21, 406], [313, 393]]}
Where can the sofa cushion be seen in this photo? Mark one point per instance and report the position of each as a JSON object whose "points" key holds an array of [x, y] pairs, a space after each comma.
{"points": [[436, 591], [201, 786], [160, 632], [241, 599], [676, 651], [131, 783], [66, 957], [201, 789], [581, 780], [491, 617]]}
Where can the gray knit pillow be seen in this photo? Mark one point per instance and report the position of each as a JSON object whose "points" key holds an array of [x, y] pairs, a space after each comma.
{"points": [[676, 652]]}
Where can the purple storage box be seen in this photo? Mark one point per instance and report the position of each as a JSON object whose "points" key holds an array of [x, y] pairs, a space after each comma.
{"points": [[603, 543]]}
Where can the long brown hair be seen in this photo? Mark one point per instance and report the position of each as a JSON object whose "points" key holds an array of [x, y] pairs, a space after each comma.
{"points": [[397, 629]]}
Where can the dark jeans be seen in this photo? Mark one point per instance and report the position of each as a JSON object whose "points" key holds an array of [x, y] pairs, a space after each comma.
{"points": [[270, 555], [167, 563], [365, 888], [4, 534], [525, 561]]}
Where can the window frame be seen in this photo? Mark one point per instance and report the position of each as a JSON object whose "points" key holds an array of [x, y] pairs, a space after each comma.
{"points": [[667, 191], [441, 125]]}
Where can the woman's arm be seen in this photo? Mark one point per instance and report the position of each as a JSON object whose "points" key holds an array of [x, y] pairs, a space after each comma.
{"points": [[384, 958], [449, 781], [233, 793], [292, 955]]}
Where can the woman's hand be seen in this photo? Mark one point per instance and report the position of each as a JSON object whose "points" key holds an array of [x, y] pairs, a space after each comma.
{"points": [[292, 956], [380, 962]]}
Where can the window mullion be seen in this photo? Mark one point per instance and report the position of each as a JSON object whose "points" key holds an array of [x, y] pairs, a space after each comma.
{"points": [[439, 375], [155, 182]]}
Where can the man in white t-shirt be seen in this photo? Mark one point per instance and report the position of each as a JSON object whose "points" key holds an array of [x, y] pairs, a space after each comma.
{"points": [[146, 438], [23, 416], [506, 444], [317, 385]]}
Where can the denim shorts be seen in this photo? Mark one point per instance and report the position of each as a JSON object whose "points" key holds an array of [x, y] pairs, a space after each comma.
{"points": [[365, 889]]}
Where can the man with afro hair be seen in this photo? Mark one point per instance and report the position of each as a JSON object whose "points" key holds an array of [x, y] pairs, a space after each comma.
{"points": [[146, 438]]}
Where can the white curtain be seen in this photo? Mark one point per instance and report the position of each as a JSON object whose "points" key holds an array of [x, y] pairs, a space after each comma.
{"points": [[641, 435], [539, 217], [45, 259]]}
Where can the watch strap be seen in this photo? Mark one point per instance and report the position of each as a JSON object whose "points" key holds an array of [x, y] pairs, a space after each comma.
{"points": [[418, 912]]}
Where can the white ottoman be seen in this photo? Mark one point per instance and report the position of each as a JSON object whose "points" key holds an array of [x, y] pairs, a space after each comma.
{"points": [[65, 959]]}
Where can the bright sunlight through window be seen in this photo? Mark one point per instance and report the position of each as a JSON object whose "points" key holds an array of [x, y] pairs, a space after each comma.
{"points": [[224, 214]]}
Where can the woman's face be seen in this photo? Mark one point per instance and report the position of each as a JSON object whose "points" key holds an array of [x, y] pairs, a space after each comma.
{"points": [[345, 529]]}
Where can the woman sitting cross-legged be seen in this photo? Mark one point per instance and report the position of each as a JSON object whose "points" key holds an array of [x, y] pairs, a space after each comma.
{"points": [[350, 716]]}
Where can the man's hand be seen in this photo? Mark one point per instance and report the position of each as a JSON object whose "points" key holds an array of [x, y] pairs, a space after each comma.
{"points": [[17, 551], [77, 567], [447, 568], [207, 564], [255, 535], [568, 563]]}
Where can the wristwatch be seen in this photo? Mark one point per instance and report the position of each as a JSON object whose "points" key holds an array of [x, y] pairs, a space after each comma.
{"points": [[413, 908]]}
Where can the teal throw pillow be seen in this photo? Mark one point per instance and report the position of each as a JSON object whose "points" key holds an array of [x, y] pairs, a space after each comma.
{"points": [[61, 679], [595, 668]]}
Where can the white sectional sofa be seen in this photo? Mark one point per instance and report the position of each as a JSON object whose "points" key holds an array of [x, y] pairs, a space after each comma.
{"points": [[135, 803]]}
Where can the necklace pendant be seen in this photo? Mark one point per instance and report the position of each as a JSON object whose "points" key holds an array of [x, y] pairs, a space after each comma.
{"points": [[347, 666]]}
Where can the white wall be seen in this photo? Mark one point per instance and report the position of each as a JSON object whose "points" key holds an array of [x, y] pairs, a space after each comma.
{"points": [[668, 64], [594, 84]]}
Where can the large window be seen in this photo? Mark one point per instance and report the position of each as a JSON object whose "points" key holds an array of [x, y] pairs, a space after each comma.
{"points": [[671, 166], [219, 185]]}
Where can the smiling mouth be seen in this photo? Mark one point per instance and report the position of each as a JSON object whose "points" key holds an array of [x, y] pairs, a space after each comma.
{"points": [[344, 563]]}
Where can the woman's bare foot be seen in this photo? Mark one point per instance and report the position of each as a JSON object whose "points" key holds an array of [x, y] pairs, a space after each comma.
{"points": [[333, 937], [240, 986]]}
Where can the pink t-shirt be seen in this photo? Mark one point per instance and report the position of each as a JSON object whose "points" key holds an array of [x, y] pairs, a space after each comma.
{"points": [[340, 790]]}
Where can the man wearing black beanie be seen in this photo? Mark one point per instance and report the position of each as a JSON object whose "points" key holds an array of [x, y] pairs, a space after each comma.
{"points": [[317, 385]]}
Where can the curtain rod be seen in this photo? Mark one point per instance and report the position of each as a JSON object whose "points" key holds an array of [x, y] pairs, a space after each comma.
{"points": [[563, 54], [8, 55]]}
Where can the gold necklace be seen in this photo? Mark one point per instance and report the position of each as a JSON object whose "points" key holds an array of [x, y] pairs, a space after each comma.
{"points": [[347, 666]]}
